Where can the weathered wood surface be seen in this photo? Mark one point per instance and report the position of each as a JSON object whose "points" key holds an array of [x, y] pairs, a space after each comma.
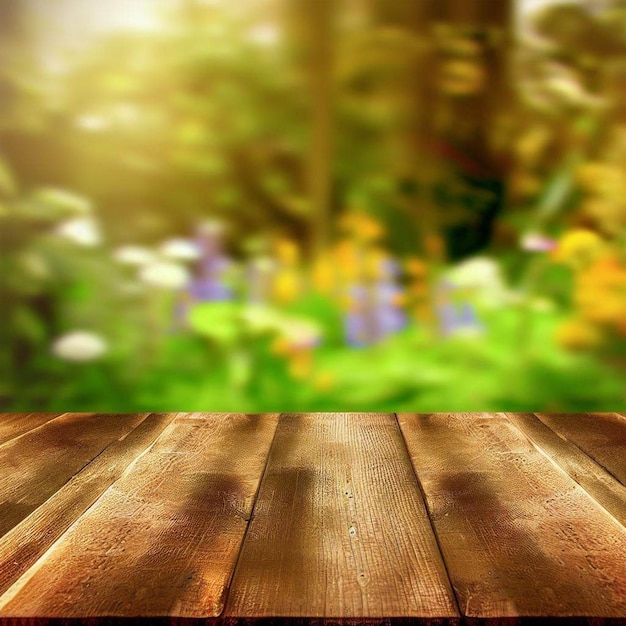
{"points": [[15, 424], [600, 435], [519, 536], [164, 538], [34, 466], [591, 476], [339, 527], [25, 543], [357, 519]]}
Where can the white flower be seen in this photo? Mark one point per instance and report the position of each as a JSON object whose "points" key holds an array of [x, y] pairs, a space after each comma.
{"points": [[301, 334], [475, 273], [181, 250], [82, 231], [135, 256], [482, 276], [165, 274], [536, 242], [79, 346]]}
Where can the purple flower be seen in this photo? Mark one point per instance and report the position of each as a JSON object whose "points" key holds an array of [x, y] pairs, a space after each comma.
{"points": [[355, 321], [375, 313], [390, 317], [455, 319], [208, 283]]}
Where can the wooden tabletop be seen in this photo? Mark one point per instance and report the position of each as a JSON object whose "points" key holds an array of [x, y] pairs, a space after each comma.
{"points": [[371, 518]]}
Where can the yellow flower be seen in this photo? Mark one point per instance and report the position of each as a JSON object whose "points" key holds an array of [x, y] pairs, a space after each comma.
{"points": [[609, 212], [362, 226], [601, 291], [347, 257], [323, 275], [287, 251], [578, 335], [374, 263], [424, 312], [531, 144], [600, 178], [324, 381], [300, 363], [281, 346], [577, 248], [286, 286]]}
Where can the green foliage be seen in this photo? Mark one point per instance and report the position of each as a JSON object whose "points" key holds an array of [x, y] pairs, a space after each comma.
{"points": [[219, 322], [148, 133]]}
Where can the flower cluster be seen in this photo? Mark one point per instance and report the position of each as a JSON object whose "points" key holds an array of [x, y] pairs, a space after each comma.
{"points": [[600, 290], [365, 279], [604, 186], [209, 282]]}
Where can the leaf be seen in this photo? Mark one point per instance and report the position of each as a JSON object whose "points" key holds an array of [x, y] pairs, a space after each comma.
{"points": [[59, 203], [262, 319], [29, 326], [217, 321]]}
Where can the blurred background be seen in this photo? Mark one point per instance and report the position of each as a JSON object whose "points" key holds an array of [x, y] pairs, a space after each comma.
{"points": [[312, 205]]}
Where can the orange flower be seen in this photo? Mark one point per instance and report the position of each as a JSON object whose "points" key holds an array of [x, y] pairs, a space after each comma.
{"points": [[300, 363], [434, 246], [601, 292], [416, 268], [362, 226]]}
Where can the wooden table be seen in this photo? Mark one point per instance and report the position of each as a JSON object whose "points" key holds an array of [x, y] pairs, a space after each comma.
{"points": [[368, 518]]}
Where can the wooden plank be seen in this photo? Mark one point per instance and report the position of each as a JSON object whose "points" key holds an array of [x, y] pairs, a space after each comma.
{"points": [[37, 464], [591, 476], [339, 528], [519, 537], [25, 543], [164, 538], [600, 435], [15, 424]]}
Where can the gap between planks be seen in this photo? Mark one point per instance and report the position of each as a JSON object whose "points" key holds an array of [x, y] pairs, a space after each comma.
{"points": [[27, 543], [422, 493], [188, 493], [568, 457]]}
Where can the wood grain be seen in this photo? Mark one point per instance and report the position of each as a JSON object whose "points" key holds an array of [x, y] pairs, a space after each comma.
{"points": [[519, 536], [37, 464], [600, 435], [25, 543], [15, 424], [163, 539], [590, 475], [339, 528]]}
